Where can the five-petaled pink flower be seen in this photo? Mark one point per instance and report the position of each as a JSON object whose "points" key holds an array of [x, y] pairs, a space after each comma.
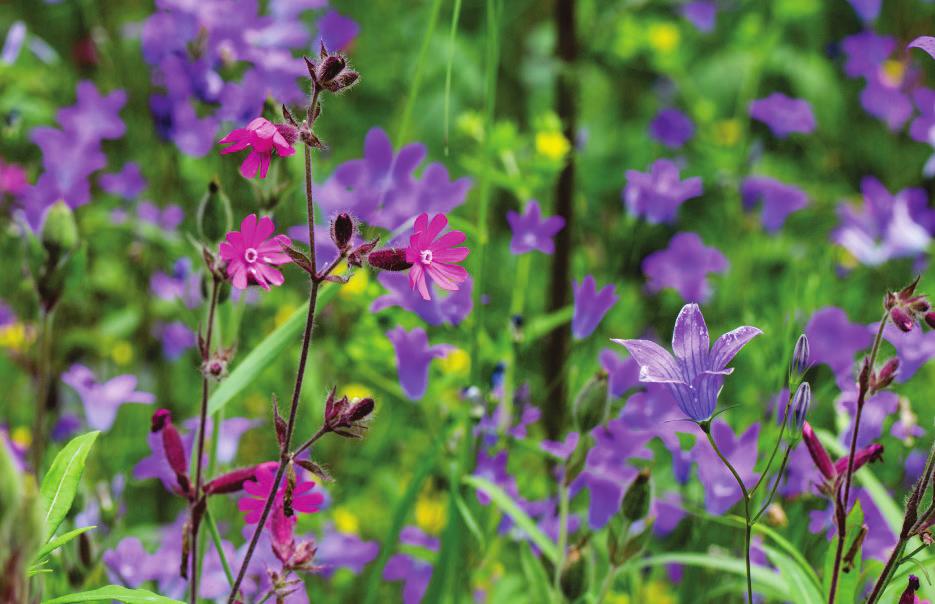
{"points": [[263, 136], [435, 258], [258, 490], [251, 254]]}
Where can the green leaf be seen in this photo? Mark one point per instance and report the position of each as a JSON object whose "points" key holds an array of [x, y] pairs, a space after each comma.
{"points": [[265, 353], [544, 324], [509, 507], [115, 592], [765, 581], [538, 580], [848, 582], [59, 541], [61, 482], [803, 590]]}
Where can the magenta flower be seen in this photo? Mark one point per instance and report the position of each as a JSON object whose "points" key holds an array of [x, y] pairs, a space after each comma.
{"points": [[435, 257], [251, 253], [264, 137], [259, 489]]}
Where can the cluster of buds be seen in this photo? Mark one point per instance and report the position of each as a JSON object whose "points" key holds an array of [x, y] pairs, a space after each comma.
{"points": [[796, 409], [630, 530], [345, 417], [214, 366], [905, 308], [833, 472], [331, 72]]}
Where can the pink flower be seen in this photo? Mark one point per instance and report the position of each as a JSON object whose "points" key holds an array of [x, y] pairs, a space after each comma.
{"points": [[12, 179], [263, 136], [251, 254], [435, 257], [258, 490]]}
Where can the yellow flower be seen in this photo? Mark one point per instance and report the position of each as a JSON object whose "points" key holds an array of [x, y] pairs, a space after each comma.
{"points": [[21, 436], [122, 353], [552, 145], [456, 362], [283, 314], [658, 593], [354, 390], [663, 37], [430, 514], [357, 285], [345, 520], [13, 336], [727, 132]]}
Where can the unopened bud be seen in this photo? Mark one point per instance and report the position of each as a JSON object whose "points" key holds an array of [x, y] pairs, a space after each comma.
{"points": [[591, 404], [800, 405], [214, 217], [60, 231], [635, 504], [930, 319], [886, 375], [342, 230], [574, 577], [909, 594], [901, 319], [389, 259], [800, 355]]}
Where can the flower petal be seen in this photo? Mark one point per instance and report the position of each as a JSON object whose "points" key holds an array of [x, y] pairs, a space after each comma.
{"points": [[729, 345], [656, 364]]}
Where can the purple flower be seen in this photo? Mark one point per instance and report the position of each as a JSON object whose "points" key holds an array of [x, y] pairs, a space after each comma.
{"points": [[878, 408], [337, 31], [880, 538], [684, 266], [166, 219], [914, 466], [176, 338], [450, 308], [381, 189], [531, 232], [672, 128], [914, 348], [668, 512], [922, 128], [784, 115], [413, 356], [886, 226], [655, 412], [701, 13], [657, 194], [415, 573], [623, 374], [95, 117], [802, 475], [865, 52], [101, 400], [721, 489], [696, 373], [344, 550], [562, 449], [590, 306], [779, 200], [834, 341], [867, 10], [67, 426], [886, 102], [926, 43], [128, 183], [13, 43], [183, 284]]}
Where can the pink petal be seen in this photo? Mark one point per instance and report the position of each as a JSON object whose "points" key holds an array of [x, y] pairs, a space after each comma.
{"points": [[250, 165], [447, 276], [271, 274], [447, 240], [227, 251], [455, 254], [264, 229], [264, 164], [417, 280], [247, 230], [421, 223], [239, 277], [926, 43], [234, 136]]}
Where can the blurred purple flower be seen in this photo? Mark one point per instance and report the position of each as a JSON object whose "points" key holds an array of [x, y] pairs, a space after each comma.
{"points": [[784, 115], [721, 489], [668, 512], [440, 309], [101, 400], [413, 356], [926, 43], [415, 573], [672, 128], [922, 128], [886, 102], [344, 550], [128, 183], [878, 408], [914, 466], [696, 373], [562, 449], [701, 13], [834, 341], [176, 338], [15, 36], [656, 195], [623, 374], [684, 266], [801, 476], [887, 226], [337, 31], [779, 200], [381, 189], [183, 284], [167, 218], [68, 425], [867, 10], [865, 52], [656, 412], [13, 179], [531, 231], [17, 451], [914, 348], [94, 117], [325, 250], [590, 306], [880, 538]]}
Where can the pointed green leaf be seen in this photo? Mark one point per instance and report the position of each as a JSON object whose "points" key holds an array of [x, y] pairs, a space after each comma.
{"points": [[114, 592], [60, 484], [59, 541]]}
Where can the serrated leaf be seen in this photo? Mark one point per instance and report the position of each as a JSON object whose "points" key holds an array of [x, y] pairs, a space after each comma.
{"points": [[59, 541], [60, 484], [114, 592]]}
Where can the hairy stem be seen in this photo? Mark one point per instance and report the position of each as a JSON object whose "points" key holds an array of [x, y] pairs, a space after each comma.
{"points": [[849, 476], [891, 565]]}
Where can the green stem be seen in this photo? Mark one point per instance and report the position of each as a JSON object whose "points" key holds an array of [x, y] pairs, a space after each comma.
{"points": [[216, 538], [782, 430], [607, 583], [891, 564], [772, 491], [417, 73], [43, 384], [562, 538]]}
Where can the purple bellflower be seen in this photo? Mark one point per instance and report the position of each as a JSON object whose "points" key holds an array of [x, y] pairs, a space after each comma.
{"points": [[721, 489], [672, 128], [684, 266], [695, 374], [701, 13], [413, 356], [784, 115], [531, 231], [834, 341], [590, 306], [449, 307], [101, 400], [656, 195], [779, 200], [415, 573]]}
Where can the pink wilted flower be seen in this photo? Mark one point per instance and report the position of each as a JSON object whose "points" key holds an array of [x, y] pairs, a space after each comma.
{"points": [[259, 488], [251, 253], [435, 257], [263, 136]]}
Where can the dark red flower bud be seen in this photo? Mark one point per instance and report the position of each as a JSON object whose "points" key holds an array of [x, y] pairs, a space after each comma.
{"points": [[866, 455], [342, 230], [173, 448], [930, 319], [160, 417], [389, 259], [885, 376], [817, 451], [357, 256], [901, 319], [233, 481], [909, 595], [360, 410], [329, 68]]}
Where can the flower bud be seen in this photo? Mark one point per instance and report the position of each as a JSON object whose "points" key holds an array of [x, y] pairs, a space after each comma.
{"points": [[389, 259], [864, 456], [901, 319], [214, 217], [232, 482], [173, 448], [60, 231], [288, 132], [800, 405], [930, 319], [818, 452], [574, 577], [801, 354], [591, 404], [909, 594], [342, 230], [635, 504], [885, 376]]}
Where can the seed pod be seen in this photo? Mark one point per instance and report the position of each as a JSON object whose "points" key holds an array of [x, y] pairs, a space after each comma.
{"points": [[214, 217], [591, 404], [635, 504], [342, 230], [389, 259], [60, 231]]}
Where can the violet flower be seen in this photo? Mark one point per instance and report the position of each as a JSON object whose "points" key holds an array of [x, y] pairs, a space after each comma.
{"points": [[622, 374], [531, 231], [415, 573], [779, 200], [452, 308], [696, 373], [176, 338], [834, 341], [166, 219], [656, 195], [913, 348], [865, 52], [720, 486], [867, 10], [413, 356], [672, 128], [102, 400], [926, 43], [128, 183], [13, 43], [877, 410], [701, 13], [344, 550], [590, 306], [183, 284], [784, 115], [684, 266], [886, 101]]}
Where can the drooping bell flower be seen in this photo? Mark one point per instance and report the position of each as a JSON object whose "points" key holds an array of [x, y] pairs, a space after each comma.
{"points": [[251, 253], [263, 137], [435, 258]]}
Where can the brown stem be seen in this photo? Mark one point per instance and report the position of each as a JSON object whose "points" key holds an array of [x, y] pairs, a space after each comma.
{"points": [[202, 425], [849, 475]]}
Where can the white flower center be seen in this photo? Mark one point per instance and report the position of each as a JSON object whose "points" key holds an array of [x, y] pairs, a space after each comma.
{"points": [[250, 255], [426, 256]]}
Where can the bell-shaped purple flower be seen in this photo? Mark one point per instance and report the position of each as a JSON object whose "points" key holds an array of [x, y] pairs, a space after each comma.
{"points": [[413, 356], [657, 194], [590, 306], [779, 200], [531, 231], [696, 372], [684, 266]]}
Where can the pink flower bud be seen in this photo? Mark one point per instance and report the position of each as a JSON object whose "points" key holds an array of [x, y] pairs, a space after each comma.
{"points": [[901, 319], [866, 455], [233, 481], [817, 451], [389, 259]]}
